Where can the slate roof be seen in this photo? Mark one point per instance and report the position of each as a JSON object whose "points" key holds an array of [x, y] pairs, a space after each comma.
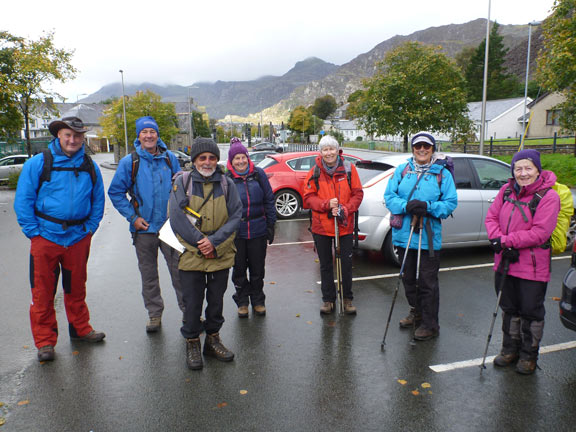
{"points": [[494, 108]]}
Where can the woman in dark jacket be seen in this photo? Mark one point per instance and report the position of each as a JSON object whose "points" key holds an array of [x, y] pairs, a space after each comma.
{"points": [[256, 229]]}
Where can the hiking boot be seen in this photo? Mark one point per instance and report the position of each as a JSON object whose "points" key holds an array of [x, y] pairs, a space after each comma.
{"points": [[423, 334], [503, 359], [327, 308], [260, 310], [349, 309], [526, 366], [93, 336], [46, 353], [153, 325], [193, 354], [410, 320], [242, 311], [213, 347]]}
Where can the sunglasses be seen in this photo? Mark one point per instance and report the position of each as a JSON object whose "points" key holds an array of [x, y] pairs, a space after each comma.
{"points": [[211, 158], [418, 146]]}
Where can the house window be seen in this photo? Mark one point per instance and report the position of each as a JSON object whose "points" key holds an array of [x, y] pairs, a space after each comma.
{"points": [[552, 117]]}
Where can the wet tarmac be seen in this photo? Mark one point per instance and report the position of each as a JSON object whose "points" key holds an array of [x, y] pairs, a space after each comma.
{"points": [[294, 370]]}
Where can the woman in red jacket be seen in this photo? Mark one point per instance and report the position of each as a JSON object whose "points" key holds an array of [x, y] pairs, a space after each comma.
{"points": [[333, 189]]}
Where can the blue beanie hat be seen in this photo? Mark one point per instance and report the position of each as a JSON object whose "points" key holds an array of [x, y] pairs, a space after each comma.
{"points": [[531, 155], [146, 122], [424, 137]]}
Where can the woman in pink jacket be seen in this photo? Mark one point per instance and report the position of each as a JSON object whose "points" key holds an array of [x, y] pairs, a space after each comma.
{"points": [[520, 235]]}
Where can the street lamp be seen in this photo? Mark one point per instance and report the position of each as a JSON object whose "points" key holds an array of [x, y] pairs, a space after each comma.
{"points": [[124, 109], [485, 84], [78, 95], [533, 23]]}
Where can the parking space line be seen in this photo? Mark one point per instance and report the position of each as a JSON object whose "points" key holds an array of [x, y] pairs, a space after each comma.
{"points": [[478, 361], [291, 243]]}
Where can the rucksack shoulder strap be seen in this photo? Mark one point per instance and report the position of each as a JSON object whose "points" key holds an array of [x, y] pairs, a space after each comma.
{"points": [[47, 168], [135, 166]]}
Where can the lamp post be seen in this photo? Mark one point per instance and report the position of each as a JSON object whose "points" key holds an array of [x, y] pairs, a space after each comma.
{"points": [[485, 85], [530, 24], [124, 109], [78, 95], [191, 119]]}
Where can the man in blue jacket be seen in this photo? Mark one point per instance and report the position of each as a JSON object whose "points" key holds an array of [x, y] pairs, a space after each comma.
{"points": [[146, 176], [59, 204]]}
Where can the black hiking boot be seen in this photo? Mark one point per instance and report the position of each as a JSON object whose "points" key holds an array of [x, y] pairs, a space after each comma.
{"points": [[193, 354], [213, 347]]}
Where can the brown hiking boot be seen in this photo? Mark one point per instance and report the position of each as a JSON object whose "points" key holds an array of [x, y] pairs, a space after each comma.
{"points": [[327, 308], [423, 334], [526, 366], [153, 325], [503, 360], [410, 320], [242, 311], [93, 336], [260, 310], [349, 309], [46, 353], [213, 347], [193, 354]]}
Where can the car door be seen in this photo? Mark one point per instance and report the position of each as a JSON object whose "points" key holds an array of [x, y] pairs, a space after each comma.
{"points": [[8, 166], [491, 175], [465, 223]]}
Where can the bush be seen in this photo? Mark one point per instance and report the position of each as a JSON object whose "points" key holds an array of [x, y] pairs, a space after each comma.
{"points": [[563, 165], [359, 138], [13, 180]]}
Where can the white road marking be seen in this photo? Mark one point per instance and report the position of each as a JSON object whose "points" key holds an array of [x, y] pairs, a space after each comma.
{"points": [[291, 243], [478, 361]]}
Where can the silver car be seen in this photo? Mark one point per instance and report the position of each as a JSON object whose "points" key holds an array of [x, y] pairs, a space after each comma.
{"points": [[478, 179], [11, 164]]}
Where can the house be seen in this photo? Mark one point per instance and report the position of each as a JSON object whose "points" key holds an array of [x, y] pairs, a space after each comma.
{"points": [[503, 117], [544, 115]]}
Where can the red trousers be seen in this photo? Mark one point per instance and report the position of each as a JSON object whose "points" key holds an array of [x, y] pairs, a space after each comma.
{"points": [[47, 260]]}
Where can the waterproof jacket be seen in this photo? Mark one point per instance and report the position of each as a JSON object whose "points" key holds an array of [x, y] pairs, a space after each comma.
{"points": [[220, 217], [505, 221], [336, 186], [441, 199], [152, 186], [257, 198], [68, 195]]}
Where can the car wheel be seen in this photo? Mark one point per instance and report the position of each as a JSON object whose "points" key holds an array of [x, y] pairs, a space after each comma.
{"points": [[571, 234], [287, 203], [390, 251]]}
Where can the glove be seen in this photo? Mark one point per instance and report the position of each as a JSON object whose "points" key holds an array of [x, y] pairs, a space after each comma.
{"points": [[342, 215], [496, 244], [417, 207], [270, 233], [511, 254]]}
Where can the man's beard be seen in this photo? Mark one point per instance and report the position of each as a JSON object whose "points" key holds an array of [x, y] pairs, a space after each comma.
{"points": [[206, 172]]}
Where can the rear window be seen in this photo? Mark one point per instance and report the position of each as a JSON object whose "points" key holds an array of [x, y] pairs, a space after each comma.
{"points": [[367, 170], [267, 162]]}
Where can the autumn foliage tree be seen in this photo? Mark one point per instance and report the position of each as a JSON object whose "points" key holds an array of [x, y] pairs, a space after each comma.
{"points": [[557, 60], [416, 87]]}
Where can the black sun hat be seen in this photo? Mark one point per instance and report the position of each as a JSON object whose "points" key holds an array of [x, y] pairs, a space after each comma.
{"points": [[74, 123]]}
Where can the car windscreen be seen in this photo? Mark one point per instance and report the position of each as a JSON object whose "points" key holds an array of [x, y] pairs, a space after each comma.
{"points": [[367, 170]]}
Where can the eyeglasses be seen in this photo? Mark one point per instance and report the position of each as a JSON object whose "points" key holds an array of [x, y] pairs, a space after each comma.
{"points": [[418, 146], [211, 158]]}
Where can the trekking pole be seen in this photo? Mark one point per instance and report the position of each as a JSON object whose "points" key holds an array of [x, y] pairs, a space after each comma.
{"points": [[505, 265], [420, 227], [338, 267], [412, 226]]}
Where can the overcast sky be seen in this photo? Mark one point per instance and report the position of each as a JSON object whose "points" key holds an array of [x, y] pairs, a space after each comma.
{"points": [[182, 42]]}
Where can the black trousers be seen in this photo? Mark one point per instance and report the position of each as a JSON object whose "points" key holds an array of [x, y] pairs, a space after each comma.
{"points": [[250, 257], [422, 295], [194, 285], [522, 302], [324, 245]]}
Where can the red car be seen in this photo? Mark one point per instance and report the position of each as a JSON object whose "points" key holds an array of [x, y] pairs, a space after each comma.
{"points": [[286, 172]]}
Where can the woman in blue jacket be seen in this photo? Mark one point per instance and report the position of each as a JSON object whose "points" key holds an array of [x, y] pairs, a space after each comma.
{"points": [[256, 228], [422, 187]]}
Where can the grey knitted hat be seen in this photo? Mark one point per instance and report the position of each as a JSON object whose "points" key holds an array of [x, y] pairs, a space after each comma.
{"points": [[202, 145]]}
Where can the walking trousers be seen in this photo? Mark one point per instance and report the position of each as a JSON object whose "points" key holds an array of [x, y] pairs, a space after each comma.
{"points": [[250, 256], [147, 246], [324, 245], [194, 285], [422, 295], [47, 260]]}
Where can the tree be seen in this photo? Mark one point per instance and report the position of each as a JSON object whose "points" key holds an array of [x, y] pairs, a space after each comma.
{"points": [[501, 84], [301, 120], [324, 106], [464, 57], [557, 62], [354, 104], [142, 104], [35, 64], [10, 116], [201, 128], [416, 87]]}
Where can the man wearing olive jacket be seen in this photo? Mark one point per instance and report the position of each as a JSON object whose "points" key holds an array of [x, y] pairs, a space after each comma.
{"points": [[205, 212]]}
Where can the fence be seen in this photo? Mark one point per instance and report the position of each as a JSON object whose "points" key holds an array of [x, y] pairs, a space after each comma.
{"points": [[19, 146]]}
